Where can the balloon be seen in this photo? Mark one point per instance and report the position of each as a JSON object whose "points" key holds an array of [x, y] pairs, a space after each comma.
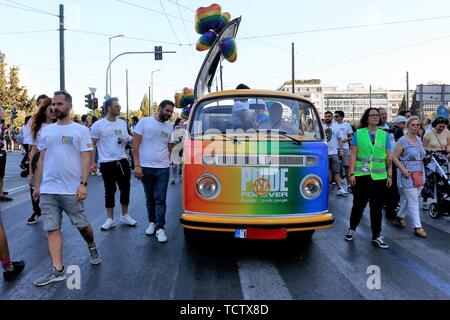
{"points": [[224, 20], [209, 22], [207, 18], [185, 113], [187, 97], [177, 100], [206, 40], [229, 49]]}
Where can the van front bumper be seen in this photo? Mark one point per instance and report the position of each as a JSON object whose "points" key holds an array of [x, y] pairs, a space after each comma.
{"points": [[230, 223]]}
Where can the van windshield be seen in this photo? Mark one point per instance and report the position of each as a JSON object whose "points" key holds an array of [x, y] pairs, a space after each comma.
{"points": [[250, 115]]}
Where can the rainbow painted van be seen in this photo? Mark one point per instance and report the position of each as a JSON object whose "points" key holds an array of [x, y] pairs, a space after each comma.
{"points": [[255, 162]]}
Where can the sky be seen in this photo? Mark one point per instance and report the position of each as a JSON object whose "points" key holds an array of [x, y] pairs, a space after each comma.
{"points": [[379, 55]]}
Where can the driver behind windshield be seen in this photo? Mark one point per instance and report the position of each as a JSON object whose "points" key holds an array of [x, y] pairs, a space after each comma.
{"points": [[276, 120]]}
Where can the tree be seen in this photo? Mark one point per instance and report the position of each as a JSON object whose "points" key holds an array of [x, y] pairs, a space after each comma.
{"points": [[144, 108], [12, 95], [403, 106], [415, 106]]}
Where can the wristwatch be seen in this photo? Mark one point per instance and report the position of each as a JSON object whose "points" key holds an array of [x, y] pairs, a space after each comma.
{"points": [[84, 183]]}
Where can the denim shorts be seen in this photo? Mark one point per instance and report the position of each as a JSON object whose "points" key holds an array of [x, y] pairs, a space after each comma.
{"points": [[52, 206]]}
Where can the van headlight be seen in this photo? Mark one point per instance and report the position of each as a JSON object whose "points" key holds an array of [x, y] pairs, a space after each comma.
{"points": [[208, 186], [311, 186]]}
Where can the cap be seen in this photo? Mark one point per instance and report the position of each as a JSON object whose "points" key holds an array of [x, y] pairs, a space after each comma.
{"points": [[400, 119]]}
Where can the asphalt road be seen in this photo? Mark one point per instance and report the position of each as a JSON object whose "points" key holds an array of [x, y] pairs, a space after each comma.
{"points": [[136, 266]]}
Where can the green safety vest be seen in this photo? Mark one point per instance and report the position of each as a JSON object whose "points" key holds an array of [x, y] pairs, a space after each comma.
{"points": [[371, 159]]}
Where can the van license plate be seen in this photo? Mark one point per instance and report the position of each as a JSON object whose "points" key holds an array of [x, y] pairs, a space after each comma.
{"points": [[240, 233], [263, 234]]}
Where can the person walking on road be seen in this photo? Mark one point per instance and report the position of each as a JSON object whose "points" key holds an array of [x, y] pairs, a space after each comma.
{"points": [[110, 135], [408, 156], [43, 117], [3, 155], [152, 144], [11, 269], [61, 183], [370, 172]]}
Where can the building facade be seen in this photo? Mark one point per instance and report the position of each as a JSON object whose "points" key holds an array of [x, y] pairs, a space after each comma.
{"points": [[432, 96], [353, 101]]}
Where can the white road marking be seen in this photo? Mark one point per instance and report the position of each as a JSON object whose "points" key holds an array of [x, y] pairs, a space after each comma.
{"points": [[260, 280]]}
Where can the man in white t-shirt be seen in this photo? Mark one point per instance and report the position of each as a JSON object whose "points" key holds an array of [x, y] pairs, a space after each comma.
{"points": [[334, 143], [61, 183], [152, 144], [346, 135], [110, 135]]}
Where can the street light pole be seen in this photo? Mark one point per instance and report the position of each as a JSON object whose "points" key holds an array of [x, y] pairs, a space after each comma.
{"points": [[116, 36], [151, 85]]}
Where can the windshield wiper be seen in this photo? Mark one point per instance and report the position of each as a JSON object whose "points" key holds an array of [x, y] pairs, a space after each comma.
{"points": [[281, 133], [234, 139]]}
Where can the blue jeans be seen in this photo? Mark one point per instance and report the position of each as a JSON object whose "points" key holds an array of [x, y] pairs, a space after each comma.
{"points": [[155, 181]]}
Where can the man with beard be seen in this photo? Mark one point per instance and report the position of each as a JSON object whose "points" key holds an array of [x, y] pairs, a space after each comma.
{"points": [[152, 143], [110, 135], [61, 183], [335, 149]]}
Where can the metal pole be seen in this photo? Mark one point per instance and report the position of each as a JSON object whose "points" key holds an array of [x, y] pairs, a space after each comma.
{"points": [[110, 91], [221, 78], [407, 90], [122, 54], [127, 94], [62, 82], [151, 85], [370, 96], [293, 69], [149, 105]]}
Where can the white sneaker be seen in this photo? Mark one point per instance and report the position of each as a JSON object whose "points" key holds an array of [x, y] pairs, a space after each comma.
{"points": [[150, 230], [127, 219], [161, 235], [109, 223], [342, 192]]}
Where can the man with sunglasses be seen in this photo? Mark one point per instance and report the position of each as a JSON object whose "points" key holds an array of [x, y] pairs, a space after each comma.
{"points": [[110, 136]]}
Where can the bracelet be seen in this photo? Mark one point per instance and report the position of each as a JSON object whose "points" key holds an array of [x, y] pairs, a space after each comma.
{"points": [[351, 174]]}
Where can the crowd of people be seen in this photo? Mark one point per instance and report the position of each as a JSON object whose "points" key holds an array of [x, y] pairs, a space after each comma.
{"points": [[88, 146], [376, 159], [390, 166]]}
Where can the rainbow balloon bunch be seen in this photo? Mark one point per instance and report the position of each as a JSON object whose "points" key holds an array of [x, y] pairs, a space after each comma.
{"points": [[184, 100], [209, 21]]}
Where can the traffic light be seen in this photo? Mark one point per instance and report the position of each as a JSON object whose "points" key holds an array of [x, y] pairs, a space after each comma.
{"points": [[94, 104], [88, 101], [158, 52]]}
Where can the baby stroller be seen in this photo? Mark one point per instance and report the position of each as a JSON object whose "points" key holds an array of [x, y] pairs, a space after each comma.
{"points": [[441, 203]]}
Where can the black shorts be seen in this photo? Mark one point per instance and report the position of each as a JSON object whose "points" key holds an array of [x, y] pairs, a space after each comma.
{"points": [[2, 163]]}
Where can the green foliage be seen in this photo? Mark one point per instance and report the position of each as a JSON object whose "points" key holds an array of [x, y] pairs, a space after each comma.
{"points": [[12, 94], [415, 106], [144, 108], [403, 106]]}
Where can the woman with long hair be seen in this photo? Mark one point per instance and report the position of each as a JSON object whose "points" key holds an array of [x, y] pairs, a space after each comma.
{"points": [[370, 172], [43, 116]]}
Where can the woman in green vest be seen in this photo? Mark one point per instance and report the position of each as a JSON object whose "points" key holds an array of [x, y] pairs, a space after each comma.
{"points": [[369, 173]]}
